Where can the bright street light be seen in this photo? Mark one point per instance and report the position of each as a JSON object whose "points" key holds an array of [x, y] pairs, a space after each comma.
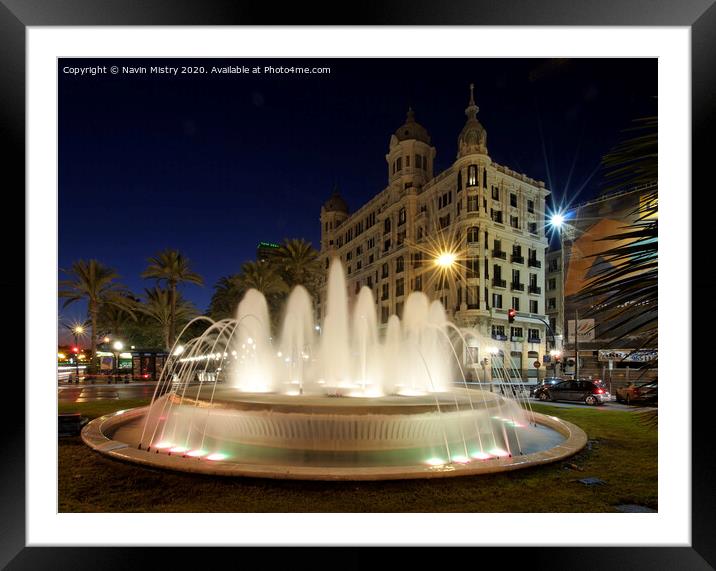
{"points": [[557, 219], [446, 259], [118, 346]]}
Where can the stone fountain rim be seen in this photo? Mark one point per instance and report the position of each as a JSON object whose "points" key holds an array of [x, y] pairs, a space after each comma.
{"points": [[94, 436], [325, 404]]}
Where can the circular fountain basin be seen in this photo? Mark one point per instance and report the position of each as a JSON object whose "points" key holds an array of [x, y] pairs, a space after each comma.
{"points": [[318, 437]]}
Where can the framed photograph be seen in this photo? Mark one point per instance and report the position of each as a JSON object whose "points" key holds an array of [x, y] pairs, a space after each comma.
{"points": [[304, 281]]}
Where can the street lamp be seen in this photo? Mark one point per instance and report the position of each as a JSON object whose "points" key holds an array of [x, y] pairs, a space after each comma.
{"points": [[118, 346], [445, 260], [557, 221]]}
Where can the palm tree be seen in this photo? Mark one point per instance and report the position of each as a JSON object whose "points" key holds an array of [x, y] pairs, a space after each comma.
{"points": [[263, 277], [625, 292], [297, 262], [227, 294], [171, 268], [157, 306], [114, 318], [95, 283]]}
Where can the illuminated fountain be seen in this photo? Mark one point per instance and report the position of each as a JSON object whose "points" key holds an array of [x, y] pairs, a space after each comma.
{"points": [[345, 400]]}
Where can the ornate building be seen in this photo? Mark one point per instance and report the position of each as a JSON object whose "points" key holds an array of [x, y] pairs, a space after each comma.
{"points": [[471, 236]]}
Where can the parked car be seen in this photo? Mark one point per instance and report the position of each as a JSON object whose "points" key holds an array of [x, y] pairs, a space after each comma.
{"points": [[588, 392], [646, 393], [547, 381]]}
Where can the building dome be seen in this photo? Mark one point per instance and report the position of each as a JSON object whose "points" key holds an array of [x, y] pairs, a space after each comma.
{"points": [[473, 137], [336, 203], [411, 129]]}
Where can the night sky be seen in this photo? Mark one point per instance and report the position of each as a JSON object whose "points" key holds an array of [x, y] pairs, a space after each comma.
{"points": [[211, 164]]}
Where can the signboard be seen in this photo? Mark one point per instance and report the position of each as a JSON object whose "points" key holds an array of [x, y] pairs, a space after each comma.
{"points": [[628, 355], [537, 364], [586, 330]]}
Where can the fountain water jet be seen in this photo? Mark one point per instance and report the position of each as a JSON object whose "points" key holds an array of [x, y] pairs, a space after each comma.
{"points": [[239, 401]]}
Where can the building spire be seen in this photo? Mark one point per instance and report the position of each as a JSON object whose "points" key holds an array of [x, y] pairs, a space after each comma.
{"points": [[472, 108], [410, 115]]}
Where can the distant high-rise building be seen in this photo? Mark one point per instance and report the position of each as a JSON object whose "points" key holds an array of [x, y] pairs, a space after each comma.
{"points": [[266, 250]]}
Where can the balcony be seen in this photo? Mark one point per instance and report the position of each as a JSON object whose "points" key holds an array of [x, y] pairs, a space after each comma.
{"points": [[537, 340], [499, 283], [499, 337], [533, 263], [517, 259], [499, 254], [517, 287], [517, 338], [535, 289]]}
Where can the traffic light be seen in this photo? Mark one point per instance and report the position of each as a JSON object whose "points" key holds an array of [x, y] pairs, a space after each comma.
{"points": [[75, 349], [511, 315]]}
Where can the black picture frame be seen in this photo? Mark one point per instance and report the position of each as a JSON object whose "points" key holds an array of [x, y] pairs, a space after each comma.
{"points": [[698, 15]]}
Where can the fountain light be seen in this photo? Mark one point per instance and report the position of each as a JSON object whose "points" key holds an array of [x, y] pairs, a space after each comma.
{"points": [[410, 392], [368, 392], [197, 453], [163, 444], [435, 461], [460, 459], [481, 455], [499, 452], [217, 456], [178, 449], [179, 350]]}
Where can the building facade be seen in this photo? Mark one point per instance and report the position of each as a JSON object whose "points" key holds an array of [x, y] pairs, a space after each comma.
{"points": [[487, 216]]}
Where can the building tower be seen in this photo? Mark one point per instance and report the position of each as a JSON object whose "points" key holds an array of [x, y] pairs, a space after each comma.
{"points": [[333, 213]]}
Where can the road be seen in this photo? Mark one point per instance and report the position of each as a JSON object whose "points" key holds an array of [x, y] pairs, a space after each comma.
{"points": [[104, 391]]}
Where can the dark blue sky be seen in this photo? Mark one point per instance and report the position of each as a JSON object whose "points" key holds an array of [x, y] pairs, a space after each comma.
{"points": [[211, 164]]}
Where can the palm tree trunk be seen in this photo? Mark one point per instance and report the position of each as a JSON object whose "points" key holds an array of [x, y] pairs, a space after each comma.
{"points": [[172, 314]]}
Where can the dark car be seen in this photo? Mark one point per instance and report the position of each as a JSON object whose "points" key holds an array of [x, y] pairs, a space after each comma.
{"points": [[547, 381], [589, 392], [645, 394]]}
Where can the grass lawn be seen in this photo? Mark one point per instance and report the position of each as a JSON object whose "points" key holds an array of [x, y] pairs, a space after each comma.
{"points": [[621, 451]]}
